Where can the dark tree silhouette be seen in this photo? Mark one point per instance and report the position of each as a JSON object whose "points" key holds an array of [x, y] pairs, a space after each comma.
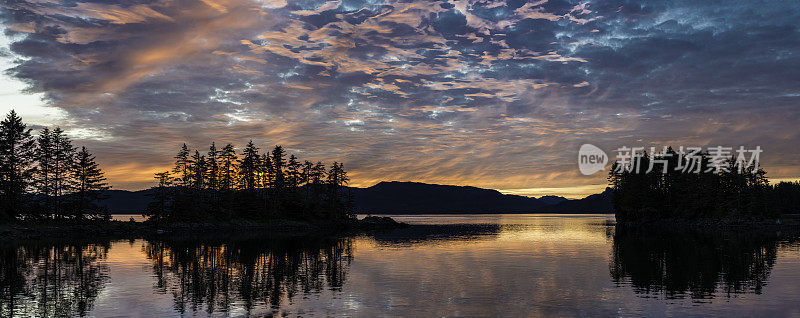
{"points": [[44, 177], [337, 180], [198, 170], [655, 187], [278, 163], [293, 172], [16, 165], [62, 158], [88, 182], [212, 164], [251, 186], [787, 195], [227, 168], [182, 170], [249, 167], [161, 205]]}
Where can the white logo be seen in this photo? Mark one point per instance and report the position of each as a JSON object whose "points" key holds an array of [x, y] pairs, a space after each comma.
{"points": [[591, 159]]}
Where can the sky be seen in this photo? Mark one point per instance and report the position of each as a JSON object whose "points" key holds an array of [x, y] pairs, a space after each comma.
{"points": [[492, 94]]}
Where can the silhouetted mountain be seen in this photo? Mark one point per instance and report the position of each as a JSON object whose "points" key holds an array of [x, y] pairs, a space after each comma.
{"points": [[126, 202], [595, 203], [415, 197], [552, 199], [419, 198]]}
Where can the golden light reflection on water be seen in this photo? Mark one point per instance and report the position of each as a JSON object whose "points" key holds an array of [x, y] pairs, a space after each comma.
{"points": [[521, 262], [127, 252], [562, 231], [576, 229]]}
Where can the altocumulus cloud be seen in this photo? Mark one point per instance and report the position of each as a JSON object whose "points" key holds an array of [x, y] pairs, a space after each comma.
{"points": [[489, 93]]}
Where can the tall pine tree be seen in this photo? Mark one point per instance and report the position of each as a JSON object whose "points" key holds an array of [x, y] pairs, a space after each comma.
{"points": [[88, 182], [227, 168], [62, 157], [212, 164], [249, 167], [43, 176], [160, 207], [293, 172], [278, 164], [16, 165], [181, 170]]}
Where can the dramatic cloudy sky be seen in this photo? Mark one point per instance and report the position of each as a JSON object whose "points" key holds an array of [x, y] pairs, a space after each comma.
{"points": [[486, 93]]}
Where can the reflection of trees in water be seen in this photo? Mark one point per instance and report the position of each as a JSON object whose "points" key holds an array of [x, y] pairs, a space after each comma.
{"points": [[675, 264], [54, 280], [247, 273]]}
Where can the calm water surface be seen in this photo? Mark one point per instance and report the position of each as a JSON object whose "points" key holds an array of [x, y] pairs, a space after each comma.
{"points": [[460, 265]]}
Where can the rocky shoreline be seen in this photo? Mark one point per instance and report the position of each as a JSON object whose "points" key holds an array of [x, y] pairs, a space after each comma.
{"points": [[66, 230]]}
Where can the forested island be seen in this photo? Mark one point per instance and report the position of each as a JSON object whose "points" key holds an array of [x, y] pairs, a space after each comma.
{"points": [[45, 179], [656, 188], [221, 185]]}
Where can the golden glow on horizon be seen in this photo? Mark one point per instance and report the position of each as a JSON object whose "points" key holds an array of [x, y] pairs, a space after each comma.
{"points": [[575, 192], [132, 173]]}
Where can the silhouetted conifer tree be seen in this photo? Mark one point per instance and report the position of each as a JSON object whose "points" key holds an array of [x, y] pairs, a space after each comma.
{"points": [[212, 164], [16, 165], [182, 201], [227, 179], [306, 174], [181, 170], [88, 183], [293, 172], [62, 162], [197, 168], [213, 179], [787, 197], [43, 174], [249, 167], [278, 163], [337, 180], [227, 168], [160, 207], [267, 174], [317, 183]]}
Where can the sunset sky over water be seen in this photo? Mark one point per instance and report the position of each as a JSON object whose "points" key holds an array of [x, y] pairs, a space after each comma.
{"points": [[492, 94]]}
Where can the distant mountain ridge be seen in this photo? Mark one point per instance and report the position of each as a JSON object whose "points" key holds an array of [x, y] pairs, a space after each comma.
{"points": [[595, 203], [126, 202], [415, 197], [552, 199], [420, 198]]}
